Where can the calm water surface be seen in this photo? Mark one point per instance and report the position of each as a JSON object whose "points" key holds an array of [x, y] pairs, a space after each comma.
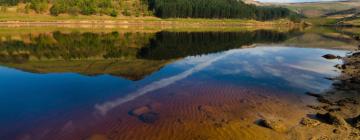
{"points": [[70, 85]]}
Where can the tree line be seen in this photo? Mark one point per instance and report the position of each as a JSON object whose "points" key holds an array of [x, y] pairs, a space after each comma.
{"points": [[216, 9], [84, 7]]}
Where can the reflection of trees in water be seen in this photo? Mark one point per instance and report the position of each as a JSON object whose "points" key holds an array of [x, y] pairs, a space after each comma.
{"points": [[75, 45], [129, 55], [163, 45], [169, 45]]}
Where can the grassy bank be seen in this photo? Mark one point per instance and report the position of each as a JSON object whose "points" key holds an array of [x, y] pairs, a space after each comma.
{"points": [[355, 22], [25, 30], [21, 19], [323, 21]]}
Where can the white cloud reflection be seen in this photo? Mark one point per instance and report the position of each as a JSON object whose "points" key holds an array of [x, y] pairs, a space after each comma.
{"points": [[300, 68], [107, 106]]}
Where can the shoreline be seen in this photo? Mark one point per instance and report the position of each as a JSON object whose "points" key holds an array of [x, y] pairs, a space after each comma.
{"points": [[148, 25], [338, 110], [22, 20], [334, 114]]}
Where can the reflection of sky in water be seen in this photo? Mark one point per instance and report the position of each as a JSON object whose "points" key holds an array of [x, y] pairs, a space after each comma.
{"points": [[29, 96], [288, 69], [295, 69]]}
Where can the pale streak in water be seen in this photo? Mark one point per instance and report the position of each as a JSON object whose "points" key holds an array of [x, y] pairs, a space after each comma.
{"points": [[107, 106]]}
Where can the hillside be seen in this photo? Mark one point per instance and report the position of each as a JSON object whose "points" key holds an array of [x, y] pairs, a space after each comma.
{"points": [[347, 17], [318, 9], [214, 9], [77, 7], [350, 21], [343, 13], [325, 13]]}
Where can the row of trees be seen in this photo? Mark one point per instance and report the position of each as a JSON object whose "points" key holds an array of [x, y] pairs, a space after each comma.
{"points": [[36, 5], [84, 7], [10, 2], [215, 9], [102, 7]]}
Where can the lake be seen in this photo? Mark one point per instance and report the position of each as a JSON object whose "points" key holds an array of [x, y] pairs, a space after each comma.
{"points": [[75, 85]]}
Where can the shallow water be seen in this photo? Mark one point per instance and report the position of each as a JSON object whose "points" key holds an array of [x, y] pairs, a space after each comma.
{"points": [[61, 85]]}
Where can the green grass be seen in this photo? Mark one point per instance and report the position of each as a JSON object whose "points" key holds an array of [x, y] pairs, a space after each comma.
{"points": [[33, 17], [25, 30], [321, 21], [331, 21], [48, 18], [355, 22]]}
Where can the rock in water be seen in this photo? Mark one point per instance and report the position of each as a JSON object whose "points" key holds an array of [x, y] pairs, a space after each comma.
{"points": [[336, 131], [330, 56], [274, 125], [313, 94], [356, 122], [140, 110], [357, 38], [149, 117], [145, 114], [309, 122], [325, 101], [332, 118]]}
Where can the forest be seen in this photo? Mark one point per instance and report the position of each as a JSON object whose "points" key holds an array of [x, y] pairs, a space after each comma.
{"points": [[160, 8], [216, 9]]}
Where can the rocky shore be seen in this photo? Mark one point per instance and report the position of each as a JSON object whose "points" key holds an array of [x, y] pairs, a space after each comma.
{"points": [[338, 110], [336, 113]]}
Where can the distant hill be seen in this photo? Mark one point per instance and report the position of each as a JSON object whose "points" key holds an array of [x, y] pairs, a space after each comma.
{"points": [[343, 13], [353, 20], [345, 17], [319, 9]]}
